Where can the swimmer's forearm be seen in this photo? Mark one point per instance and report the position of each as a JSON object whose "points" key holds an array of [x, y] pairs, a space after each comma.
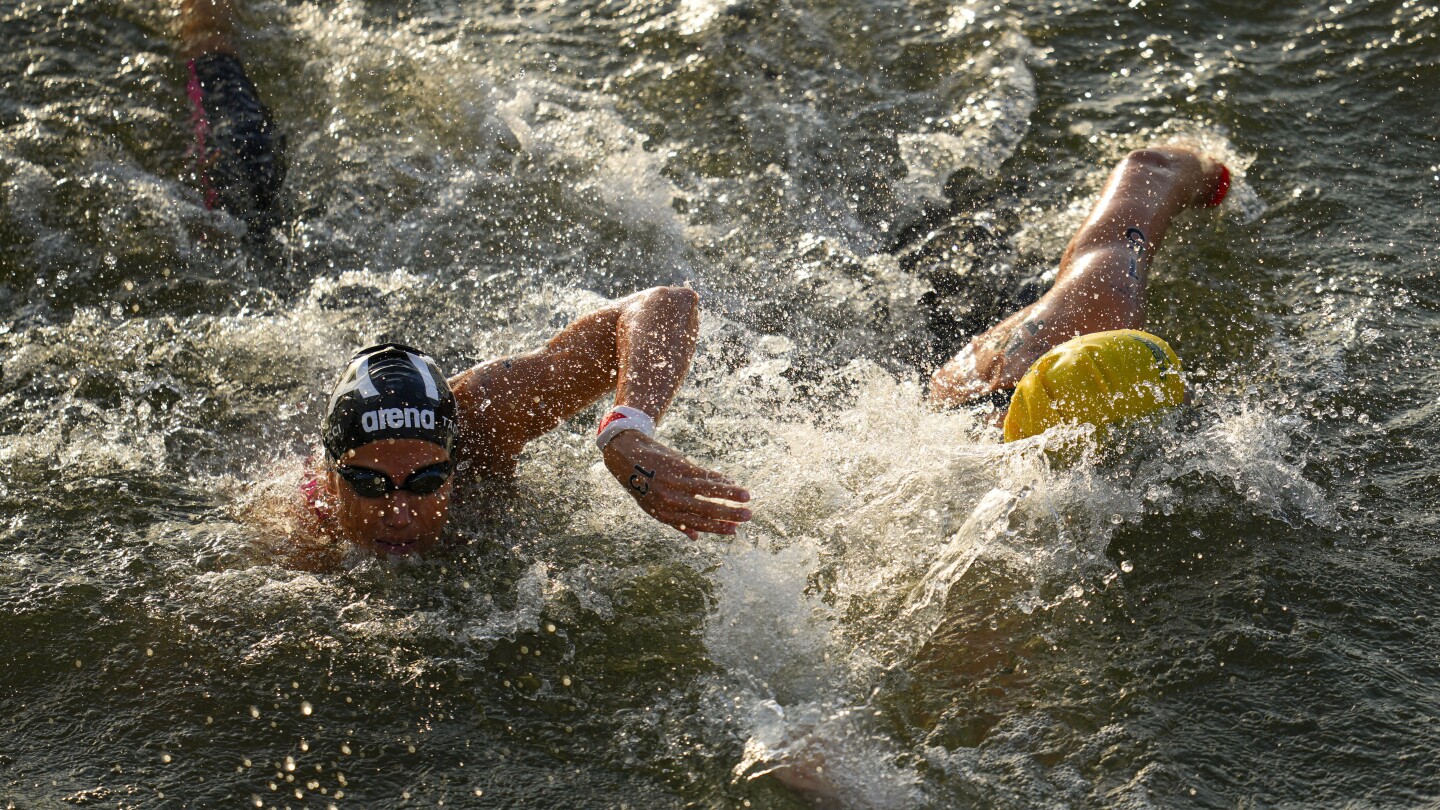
{"points": [[654, 343], [1102, 298]]}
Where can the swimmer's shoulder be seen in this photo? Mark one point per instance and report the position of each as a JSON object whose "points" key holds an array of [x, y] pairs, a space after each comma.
{"points": [[491, 436]]}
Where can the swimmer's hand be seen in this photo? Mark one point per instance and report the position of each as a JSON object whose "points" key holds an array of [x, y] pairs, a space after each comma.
{"points": [[674, 490], [993, 361]]}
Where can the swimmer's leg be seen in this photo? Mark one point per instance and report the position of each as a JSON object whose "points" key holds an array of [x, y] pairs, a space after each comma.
{"points": [[239, 152], [1101, 282]]}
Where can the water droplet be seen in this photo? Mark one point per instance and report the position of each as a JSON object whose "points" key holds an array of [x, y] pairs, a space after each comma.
{"points": [[1127, 566], [289, 763], [255, 712], [345, 749], [305, 708], [165, 758], [256, 800]]}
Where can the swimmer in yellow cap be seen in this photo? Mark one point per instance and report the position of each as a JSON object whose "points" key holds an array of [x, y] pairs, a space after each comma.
{"points": [[1096, 379], [1100, 288]]}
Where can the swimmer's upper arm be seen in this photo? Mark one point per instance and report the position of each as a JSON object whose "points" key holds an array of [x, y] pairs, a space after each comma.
{"points": [[1104, 290], [504, 404]]}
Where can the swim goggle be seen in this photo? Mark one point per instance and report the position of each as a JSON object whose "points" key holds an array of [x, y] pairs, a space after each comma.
{"points": [[369, 483]]}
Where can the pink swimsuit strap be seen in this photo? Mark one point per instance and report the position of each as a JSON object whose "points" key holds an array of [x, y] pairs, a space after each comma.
{"points": [[312, 491], [200, 121]]}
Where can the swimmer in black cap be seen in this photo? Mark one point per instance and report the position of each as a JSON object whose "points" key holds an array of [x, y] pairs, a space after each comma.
{"points": [[239, 152], [398, 435]]}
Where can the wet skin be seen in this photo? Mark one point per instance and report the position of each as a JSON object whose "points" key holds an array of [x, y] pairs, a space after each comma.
{"points": [[399, 522], [1102, 277]]}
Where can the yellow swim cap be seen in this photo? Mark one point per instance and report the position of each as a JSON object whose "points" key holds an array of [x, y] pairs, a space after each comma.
{"points": [[1096, 379]]}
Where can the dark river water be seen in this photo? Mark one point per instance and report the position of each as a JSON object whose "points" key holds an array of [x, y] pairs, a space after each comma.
{"points": [[1235, 610]]}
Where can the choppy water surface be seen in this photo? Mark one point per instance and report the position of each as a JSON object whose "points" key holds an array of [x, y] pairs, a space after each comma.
{"points": [[1233, 611]]}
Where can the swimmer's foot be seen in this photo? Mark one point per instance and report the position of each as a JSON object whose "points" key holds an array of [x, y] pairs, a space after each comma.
{"points": [[239, 151]]}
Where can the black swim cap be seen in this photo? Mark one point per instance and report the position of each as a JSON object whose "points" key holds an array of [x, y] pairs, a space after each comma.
{"points": [[389, 391]]}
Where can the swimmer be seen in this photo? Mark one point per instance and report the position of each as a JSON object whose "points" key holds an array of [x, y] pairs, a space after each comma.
{"points": [[1100, 288], [1101, 283], [398, 436], [239, 152]]}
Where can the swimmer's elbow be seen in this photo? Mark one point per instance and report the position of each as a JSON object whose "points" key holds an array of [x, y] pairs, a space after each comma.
{"points": [[677, 302], [1160, 160], [675, 296]]}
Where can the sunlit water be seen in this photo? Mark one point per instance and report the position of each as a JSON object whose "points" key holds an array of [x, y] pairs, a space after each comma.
{"points": [[1232, 610]]}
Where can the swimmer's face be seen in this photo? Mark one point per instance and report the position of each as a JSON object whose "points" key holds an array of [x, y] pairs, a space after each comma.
{"points": [[399, 522]]}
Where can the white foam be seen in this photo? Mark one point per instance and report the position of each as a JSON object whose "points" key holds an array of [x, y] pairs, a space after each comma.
{"points": [[986, 126]]}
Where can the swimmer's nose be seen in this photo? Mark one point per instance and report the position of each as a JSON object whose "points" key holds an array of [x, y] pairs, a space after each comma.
{"points": [[398, 511]]}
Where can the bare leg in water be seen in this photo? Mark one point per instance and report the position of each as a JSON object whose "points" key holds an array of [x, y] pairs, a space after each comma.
{"points": [[239, 151], [1101, 283]]}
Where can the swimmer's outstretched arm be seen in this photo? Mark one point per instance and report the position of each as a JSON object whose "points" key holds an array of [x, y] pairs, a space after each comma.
{"points": [[638, 348], [1101, 283]]}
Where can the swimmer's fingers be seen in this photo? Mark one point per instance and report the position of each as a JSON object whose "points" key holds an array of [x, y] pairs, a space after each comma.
{"points": [[711, 485], [678, 499], [692, 524], [674, 490]]}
